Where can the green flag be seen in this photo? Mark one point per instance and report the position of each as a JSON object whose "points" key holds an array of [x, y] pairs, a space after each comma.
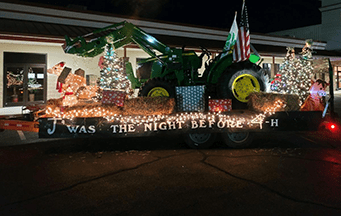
{"points": [[231, 38]]}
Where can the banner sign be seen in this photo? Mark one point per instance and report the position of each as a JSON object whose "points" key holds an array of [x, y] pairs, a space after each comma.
{"points": [[124, 126]]}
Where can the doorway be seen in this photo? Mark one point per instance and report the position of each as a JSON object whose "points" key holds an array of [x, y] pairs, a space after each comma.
{"points": [[24, 79], [337, 77]]}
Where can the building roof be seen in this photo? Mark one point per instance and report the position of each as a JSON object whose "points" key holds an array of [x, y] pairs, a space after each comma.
{"points": [[22, 21]]}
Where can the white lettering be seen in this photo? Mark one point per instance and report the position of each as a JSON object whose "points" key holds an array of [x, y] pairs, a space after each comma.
{"points": [[274, 122], [131, 128], [202, 123], [258, 120], [171, 125], [239, 124], [82, 130], [163, 126], [232, 124], [194, 125], [180, 124], [92, 129], [210, 123], [114, 128], [123, 128], [148, 127], [221, 124], [72, 129], [51, 131]]}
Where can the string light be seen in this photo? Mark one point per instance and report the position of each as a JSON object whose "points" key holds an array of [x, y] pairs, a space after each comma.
{"points": [[222, 120]]}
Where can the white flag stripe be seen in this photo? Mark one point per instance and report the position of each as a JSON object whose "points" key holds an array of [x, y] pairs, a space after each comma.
{"points": [[241, 50]]}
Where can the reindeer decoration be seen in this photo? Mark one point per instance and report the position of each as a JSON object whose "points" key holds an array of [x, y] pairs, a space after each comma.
{"points": [[73, 83]]}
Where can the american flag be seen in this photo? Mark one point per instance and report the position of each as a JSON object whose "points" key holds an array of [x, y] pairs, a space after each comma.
{"points": [[241, 51]]}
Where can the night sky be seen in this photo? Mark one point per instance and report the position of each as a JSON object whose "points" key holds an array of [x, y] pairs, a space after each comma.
{"points": [[264, 15]]}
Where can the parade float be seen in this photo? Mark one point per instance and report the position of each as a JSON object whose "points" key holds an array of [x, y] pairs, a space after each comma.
{"points": [[233, 98]]}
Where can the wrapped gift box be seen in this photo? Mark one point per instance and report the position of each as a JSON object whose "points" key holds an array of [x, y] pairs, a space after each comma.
{"points": [[190, 98], [113, 97], [219, 105]]}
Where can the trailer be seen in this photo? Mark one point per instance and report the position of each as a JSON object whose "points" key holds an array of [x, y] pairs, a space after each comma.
{"points": [[199, 129]]}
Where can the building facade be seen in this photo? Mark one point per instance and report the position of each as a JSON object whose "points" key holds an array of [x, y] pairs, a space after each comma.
{"points": [[329, 31]]}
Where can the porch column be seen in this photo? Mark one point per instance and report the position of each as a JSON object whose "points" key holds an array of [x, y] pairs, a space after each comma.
{"points": [[273, 67]]}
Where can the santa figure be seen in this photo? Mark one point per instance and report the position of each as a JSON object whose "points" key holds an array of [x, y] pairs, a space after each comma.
{"points": [[315, 101]]}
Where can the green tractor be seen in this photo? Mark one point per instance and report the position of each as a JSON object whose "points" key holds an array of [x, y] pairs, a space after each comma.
{"points": [[159, 74]]}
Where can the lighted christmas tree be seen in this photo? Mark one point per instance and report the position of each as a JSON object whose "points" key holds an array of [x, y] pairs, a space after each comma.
{"points": [[113, 75], [295, 74], [286, 69], [305, 71]]}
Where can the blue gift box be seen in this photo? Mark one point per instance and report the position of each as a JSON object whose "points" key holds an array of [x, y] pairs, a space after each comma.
{"points": [[190, 98]]}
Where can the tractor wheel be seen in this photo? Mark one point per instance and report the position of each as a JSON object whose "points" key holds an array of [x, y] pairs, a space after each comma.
{"points": [[238, 81], [157, 87], [237, 140], [200, 140]]}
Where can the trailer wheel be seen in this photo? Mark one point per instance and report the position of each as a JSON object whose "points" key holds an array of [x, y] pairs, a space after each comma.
{"points": [[200, 140], [157, 87], [238, 140], [238, 81]]}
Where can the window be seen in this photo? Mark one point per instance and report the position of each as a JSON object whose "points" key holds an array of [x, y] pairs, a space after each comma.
{"points": [[338, 78], [24, 79], [267, 68]]}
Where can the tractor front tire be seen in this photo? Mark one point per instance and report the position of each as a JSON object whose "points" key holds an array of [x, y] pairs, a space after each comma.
{"points": [[157, 87], [238, 81]]}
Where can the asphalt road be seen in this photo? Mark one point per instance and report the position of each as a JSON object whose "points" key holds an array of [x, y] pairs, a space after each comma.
{"points": [[281, 174]]}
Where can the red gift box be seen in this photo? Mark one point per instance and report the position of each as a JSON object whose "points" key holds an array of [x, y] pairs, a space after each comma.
{"points": [[219, 105], [113, 97]]}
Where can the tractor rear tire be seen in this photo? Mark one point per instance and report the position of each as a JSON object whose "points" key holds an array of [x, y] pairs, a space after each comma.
{"points": [[200, 140], [238, 81], [157, 87]]}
